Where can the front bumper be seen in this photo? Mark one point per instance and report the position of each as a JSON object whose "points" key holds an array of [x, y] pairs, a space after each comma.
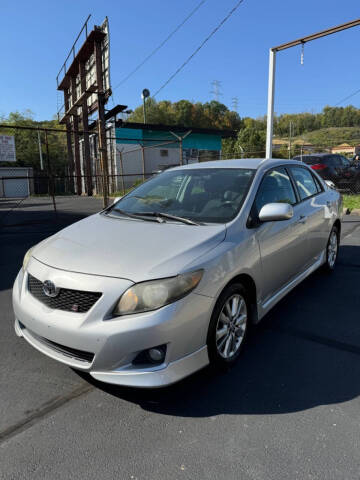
{"points": [[113, 342]]}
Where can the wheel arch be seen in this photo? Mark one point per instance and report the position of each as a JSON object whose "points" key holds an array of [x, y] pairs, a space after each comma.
{"points": [[337, 224], [250, 286]]}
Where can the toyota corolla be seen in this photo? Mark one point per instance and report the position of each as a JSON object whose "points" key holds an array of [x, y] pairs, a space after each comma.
{"points": [[169, 278]]}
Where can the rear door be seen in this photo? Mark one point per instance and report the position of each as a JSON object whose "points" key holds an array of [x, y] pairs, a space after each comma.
{"points": [[348, 171], [282, 244], [313, 207], [335, 169]]}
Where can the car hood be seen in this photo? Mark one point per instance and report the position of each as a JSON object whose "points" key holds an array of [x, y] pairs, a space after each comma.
{"points": [[124, 248]]}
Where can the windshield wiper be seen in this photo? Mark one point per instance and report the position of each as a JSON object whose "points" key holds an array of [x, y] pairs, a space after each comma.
{"points": [[136, 215], [166, 215]]}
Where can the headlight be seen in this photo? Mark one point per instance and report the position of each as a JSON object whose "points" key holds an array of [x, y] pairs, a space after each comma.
{"points": [[156, 293], [27, 258]]}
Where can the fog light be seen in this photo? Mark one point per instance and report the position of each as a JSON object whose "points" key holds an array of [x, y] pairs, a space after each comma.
{"points": [[156, 355]]}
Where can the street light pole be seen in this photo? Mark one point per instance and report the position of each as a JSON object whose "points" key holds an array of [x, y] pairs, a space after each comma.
{"points": [[144, 95]]}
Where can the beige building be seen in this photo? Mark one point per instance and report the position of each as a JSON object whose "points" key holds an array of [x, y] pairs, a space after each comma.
{"points": [[347, 149]]}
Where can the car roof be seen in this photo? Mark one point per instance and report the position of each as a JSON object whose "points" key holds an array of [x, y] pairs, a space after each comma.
{"points": [[316, 155], [251, 163]]}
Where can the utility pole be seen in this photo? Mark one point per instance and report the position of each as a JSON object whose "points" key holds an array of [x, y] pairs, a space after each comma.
{"points": [[216, 85], [145, 94], [270, 106]]}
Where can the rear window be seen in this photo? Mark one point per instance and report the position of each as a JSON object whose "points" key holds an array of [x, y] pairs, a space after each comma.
{"points": [[313, 160]]}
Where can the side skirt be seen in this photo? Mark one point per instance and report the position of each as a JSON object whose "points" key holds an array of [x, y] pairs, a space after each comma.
{"points": [[263, 308]]}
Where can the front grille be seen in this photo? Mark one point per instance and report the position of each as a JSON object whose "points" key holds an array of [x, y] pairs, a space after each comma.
{"points": [[69, 300], [80, 355]]}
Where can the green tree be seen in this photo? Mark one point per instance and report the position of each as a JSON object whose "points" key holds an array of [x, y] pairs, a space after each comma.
{"points": [[26, 142], [203, 115]]}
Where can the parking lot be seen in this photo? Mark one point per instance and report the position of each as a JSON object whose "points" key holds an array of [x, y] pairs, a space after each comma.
{"points": [[290, 409]]}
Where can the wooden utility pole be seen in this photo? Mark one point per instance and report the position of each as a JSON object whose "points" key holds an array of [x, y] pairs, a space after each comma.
{"points": [[101, 123]]}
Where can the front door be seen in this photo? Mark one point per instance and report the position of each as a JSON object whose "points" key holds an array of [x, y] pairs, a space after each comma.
{"points": [[283, 244]]}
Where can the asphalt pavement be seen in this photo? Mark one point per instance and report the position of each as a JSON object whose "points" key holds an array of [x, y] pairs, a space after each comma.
{"points": [[289, 409]]}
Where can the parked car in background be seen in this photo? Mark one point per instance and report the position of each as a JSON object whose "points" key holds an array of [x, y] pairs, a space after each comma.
{"points": [[356, 161], [334, 167], [169, 278]]}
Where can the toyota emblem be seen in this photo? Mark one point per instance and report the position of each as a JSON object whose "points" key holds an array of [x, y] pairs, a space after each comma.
{"points": [[50, 289]]}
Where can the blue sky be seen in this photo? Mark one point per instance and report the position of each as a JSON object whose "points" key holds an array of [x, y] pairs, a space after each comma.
{"points": [[37, 35]]}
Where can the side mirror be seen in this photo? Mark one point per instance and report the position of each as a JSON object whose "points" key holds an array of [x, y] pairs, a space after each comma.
{"points": [[274, 212], [116, 199]]}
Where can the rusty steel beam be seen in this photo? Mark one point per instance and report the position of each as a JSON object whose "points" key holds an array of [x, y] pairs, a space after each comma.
{"points": [[76, 141], [85, 121], [101, 123], [315, 36]]}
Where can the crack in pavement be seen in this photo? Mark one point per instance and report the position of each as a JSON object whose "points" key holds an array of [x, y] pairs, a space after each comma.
{"points": [[43, 412]]}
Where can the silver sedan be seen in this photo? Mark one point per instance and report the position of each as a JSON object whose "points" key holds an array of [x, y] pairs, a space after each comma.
{"points": [[169, 278]]}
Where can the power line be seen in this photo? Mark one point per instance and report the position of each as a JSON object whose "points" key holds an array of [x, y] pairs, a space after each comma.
{"points": [[347, 98], [200, 46], [160, 46]]}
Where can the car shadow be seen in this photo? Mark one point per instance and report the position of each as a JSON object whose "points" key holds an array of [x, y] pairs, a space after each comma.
{"points": [[291, 362]]}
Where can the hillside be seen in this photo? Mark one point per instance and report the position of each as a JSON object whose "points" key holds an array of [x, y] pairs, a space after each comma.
{"points": [[332, 136]]}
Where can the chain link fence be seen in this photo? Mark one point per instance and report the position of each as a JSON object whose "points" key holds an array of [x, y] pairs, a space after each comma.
{"points": [[45, 189]]}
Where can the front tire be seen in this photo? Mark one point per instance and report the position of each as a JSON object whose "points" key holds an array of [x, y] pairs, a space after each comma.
{"points": [[228, 326], [332, 250]]}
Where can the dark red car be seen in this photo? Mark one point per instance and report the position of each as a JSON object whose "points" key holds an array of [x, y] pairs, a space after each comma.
{"points": [[334, 167]]}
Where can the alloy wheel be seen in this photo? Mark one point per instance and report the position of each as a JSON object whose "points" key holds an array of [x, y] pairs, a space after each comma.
{"points": [[231, 326], [332, 249]]}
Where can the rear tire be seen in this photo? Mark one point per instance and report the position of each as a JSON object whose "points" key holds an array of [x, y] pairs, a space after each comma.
{"points": [[229, 326], [332, 249]]}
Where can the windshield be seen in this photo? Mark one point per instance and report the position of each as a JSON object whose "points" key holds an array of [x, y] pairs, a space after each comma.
{"points": [[210, 195]]}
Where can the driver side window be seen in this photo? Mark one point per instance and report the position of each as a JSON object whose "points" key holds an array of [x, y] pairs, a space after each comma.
{"points": [[276, 187]]}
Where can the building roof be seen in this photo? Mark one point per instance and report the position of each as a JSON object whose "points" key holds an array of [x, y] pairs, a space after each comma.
{"points": [[175, 128], [343, 145]]}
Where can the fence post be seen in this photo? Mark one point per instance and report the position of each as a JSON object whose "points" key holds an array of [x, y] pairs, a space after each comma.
{"points": [[50, 175], [143, 160], [122, 172]]}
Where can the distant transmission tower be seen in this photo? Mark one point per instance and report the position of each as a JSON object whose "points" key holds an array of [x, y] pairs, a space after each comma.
{"points": [[235, 104], [216, 85]]}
